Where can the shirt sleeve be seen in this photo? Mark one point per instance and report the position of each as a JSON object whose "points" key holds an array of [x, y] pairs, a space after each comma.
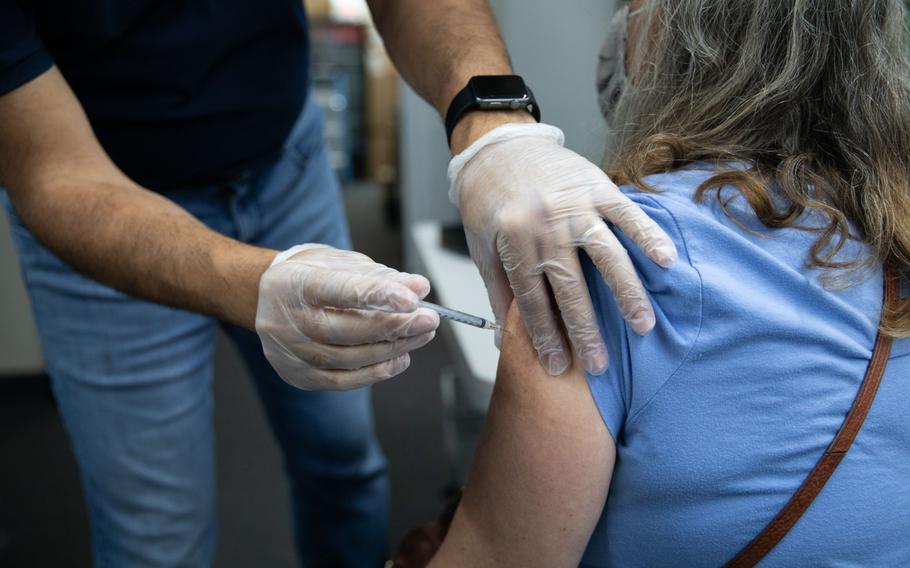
{"points": [[640, 365], [22, 54]]}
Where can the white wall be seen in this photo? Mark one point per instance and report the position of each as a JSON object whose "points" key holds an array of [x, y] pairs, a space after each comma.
{"points": [[554, 46]]}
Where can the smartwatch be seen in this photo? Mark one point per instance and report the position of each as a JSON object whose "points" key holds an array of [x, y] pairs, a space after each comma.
{"points": [[491, 92]]}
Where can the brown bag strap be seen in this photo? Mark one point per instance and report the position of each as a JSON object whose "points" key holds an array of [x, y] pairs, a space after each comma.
{"points": [[812, 486]]}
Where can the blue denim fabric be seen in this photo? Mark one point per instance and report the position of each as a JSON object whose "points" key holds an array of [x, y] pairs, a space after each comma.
{"points": [[133, 383]]}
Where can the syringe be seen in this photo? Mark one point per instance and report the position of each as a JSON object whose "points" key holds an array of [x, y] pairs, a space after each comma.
{"points": [[460, 317]]}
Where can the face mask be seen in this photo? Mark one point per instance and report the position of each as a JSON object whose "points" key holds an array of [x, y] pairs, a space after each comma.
{"points": [[611, 68]]}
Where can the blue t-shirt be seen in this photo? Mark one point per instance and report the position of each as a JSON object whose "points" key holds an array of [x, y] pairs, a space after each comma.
{"points": [[178, 93], [721, 412]]}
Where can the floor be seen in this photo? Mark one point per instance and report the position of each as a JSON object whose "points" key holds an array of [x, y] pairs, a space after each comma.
{"points": [[42, 518]]}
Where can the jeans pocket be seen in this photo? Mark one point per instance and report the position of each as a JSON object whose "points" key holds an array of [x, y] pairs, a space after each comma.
{"points": [[306, 137]]}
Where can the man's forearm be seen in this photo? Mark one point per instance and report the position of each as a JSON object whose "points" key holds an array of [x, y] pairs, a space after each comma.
{"points": [[438, 46], [77, 203], [143, 244]]}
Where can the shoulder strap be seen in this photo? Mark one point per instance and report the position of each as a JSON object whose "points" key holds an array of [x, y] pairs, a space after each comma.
{"points": [[812, 486]]}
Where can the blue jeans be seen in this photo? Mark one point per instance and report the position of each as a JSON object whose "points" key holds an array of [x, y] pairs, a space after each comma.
{"points": [[133, 383]]}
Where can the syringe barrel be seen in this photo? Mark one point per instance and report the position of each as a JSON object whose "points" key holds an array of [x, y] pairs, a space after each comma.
{"points": [[458, 316]]}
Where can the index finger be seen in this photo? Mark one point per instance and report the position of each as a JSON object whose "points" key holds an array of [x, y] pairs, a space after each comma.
{"points": [[381, 289], [614, 264], [532, 296], [644, 231]]}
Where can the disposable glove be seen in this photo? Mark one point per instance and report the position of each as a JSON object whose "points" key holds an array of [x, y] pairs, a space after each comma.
{"points": [[332, 319], [527, 205]]}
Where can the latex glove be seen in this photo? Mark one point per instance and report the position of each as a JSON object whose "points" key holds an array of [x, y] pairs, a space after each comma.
{"points": [[333, 319], [527, 205]]}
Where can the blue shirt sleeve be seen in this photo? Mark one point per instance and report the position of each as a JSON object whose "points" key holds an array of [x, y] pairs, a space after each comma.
{"points": [[22, 54], [640, 366]]}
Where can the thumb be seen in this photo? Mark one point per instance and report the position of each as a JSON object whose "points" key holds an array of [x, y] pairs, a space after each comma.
{"points": [[346, 290], [417, 283]]}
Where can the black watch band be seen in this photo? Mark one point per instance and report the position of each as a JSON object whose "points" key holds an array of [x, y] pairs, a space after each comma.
{"points": [[490, 92]]}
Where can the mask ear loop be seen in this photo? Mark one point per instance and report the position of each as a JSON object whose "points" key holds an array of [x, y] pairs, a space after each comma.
{"points": [[611, 75]]}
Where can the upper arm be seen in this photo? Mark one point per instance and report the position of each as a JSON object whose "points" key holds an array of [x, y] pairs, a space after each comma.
{"points": [[46, 136], [541, 472], [45, 133]]}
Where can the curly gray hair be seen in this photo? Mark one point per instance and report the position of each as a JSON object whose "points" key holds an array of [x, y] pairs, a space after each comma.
{"points": [[813, 94]]}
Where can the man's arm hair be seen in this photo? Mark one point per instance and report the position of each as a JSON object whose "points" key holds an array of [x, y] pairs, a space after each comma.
{"points": [[74, 199], [438, 46], [541, 472]]}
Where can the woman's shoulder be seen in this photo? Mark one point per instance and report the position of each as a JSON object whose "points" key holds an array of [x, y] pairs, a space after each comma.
{"points": [[675, 293], [735, 281], [676, 194]]}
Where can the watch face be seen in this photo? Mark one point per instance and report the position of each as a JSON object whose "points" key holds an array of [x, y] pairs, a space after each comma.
{"points": [[499, 88]]}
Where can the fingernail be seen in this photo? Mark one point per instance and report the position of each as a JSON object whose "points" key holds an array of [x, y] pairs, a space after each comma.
{"points": [[642, 322], [419, 284], [666, 255], [424, 322], [403, 300], [597, 363], [400, 364], [557, 363]]}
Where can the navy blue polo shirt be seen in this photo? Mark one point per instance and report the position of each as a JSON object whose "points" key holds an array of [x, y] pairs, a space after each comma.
{"points": [[179, 92]]}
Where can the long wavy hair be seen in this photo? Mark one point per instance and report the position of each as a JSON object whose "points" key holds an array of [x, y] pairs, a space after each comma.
{"points": [[813, 96]]}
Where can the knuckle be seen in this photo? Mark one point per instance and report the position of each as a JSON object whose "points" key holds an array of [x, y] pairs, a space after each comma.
{"points": [[396, 326], [338, 381], [545, 338], [509, 224], [327, 380], [343, 383], [556, 205], [564, 280], [626, 211], [596, 234], [321, 357], [620, 273], [584, 336], [306, 379], [605, 256], [632, 289], [401, 346], [547, 345], [575, 305], [386, 370], [531, 301], [394, 333], [624, 283]]}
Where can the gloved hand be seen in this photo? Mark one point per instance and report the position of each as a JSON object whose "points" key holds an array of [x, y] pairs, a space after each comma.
{"points": [[332, 319], [527, 205]]}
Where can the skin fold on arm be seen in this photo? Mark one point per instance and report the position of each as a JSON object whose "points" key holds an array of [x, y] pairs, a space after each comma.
{"points": [[541, 472]]}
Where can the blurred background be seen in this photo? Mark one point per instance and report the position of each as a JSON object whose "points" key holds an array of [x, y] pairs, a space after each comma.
{"points": [[388, 148]]}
